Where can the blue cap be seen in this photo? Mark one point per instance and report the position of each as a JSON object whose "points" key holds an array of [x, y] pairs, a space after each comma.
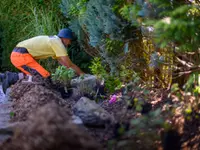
{"points": [[65, 33]]}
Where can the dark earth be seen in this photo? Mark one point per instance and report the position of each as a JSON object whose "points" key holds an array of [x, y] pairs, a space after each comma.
{"points": [[45, 123]]}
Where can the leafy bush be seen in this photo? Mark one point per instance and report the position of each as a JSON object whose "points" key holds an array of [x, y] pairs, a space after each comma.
{"points": [[97, 68], [174, 21], [111, 82], [87, 16], [63, 75]]}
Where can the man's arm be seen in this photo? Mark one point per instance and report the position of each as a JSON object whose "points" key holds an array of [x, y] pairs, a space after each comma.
{"points": [[65, 61]]}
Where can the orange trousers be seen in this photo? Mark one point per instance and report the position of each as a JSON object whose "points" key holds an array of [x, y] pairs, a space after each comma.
{"points": [[19, 60]]}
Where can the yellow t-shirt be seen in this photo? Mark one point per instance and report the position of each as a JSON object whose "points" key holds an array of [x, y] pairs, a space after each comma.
{"points": [[41, 47]]}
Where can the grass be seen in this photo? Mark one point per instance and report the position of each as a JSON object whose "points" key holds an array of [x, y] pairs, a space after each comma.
{"points": [[20, 20]]}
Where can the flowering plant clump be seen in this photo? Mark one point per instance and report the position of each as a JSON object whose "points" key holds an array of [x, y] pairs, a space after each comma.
{"points": [[114, 98]]}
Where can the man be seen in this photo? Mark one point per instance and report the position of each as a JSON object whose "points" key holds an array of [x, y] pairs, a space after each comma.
{"points": [[26, 53]]}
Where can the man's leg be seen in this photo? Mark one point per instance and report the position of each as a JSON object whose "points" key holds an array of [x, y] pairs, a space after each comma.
{"points": [[11, 78], [35, 68], [20, 61], [23, 70], [27, 64]]}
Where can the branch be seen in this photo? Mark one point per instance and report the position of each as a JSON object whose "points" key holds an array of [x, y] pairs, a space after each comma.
{"points": [[186, 72], [184, 63]]}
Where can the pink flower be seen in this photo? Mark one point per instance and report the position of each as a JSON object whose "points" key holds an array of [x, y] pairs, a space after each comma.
{"points": [[113, 99]]}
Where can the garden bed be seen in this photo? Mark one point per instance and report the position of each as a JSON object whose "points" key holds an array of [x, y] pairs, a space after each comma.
{"points": [[132, 128]]}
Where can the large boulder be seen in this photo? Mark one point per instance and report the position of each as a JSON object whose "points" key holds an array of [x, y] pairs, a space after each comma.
{"points": [[87, 80], [91, 113], [86, 85]]}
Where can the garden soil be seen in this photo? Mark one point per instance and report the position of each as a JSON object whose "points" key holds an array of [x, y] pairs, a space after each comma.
{"points": [[47, 117], [28, 97], [49, 128]]}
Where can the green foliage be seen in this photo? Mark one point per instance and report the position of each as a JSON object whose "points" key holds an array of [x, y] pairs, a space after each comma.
{"points": [[191, 82], [130, 12], [126, 75], [174, 21], [63, 75], [188, 110], [174, 88], [73, 8], [12, 114], [113, 47], [190, 96], [89, 18], [97, 25], [111, 82], [97, 68], [138, 104], [178, 23], [196, 91], [117, 5], [22, 19], [79, 56], [145, 124], [193, 85], [180, 27]]}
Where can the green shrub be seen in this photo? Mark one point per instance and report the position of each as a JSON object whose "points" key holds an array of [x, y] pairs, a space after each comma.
{"points": [[63, 75], [111, 82]]}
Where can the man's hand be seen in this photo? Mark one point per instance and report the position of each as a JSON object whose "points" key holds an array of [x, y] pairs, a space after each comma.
{"points": [[65, 61]]}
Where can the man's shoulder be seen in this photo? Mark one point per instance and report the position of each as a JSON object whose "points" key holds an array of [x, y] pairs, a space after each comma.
{"points": [[54, 39], [39, 36], [33, 40]]}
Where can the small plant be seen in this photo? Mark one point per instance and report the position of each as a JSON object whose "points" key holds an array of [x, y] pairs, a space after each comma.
{"points": [[112, 83], [12, 114], [126, 74], [63, 75], [114, 47], [97, 68]]}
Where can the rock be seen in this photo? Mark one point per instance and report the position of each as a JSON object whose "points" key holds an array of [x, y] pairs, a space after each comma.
{"points": [[91, 113], [77, 120], [76, 94], [88, 80], [7, 95], [86, 84]]}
